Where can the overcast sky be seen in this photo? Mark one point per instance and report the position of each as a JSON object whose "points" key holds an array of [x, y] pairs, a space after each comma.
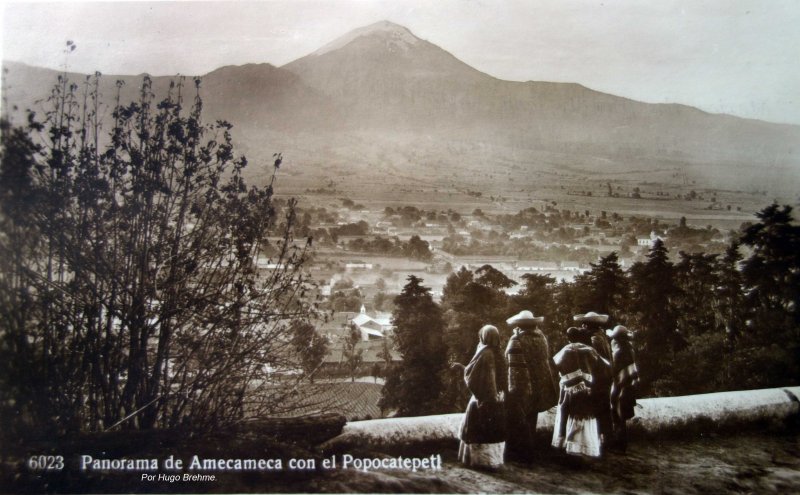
{"points": [[733, 56]]}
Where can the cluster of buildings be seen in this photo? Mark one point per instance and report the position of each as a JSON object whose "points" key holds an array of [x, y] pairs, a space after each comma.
{"points": [[376, 334], [371, 274]]}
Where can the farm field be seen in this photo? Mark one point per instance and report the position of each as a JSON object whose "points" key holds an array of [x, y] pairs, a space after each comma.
{"points": [[468, 176]]}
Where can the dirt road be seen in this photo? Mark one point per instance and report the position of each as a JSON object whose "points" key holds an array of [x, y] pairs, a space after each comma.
{"points": [[748, 463]]}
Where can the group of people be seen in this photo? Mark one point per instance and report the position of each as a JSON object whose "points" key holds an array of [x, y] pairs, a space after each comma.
{"points": [[592, 380]]}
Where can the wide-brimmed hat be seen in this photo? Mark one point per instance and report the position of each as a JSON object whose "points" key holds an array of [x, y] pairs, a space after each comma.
{"points": [[619, 331], [591, 317], [524, 318]]}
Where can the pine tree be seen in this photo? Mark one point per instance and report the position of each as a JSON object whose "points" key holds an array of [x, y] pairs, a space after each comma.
{"points": [[696, 275], [652, 303], [730, 307], [608, 288], [772, 272], [414, 385], [697, 278], [769, 349]]}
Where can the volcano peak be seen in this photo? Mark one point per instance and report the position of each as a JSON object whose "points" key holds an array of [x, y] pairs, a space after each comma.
{"points": [[389, 31]]}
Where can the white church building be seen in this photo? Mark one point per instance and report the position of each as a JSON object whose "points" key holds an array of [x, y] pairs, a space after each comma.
{"points": [[373, 328]]}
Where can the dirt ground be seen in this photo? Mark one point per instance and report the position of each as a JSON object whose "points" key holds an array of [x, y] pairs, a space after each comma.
{"points": [[747, 463]]}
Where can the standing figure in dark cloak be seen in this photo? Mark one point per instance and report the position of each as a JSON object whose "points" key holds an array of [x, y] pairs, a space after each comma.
{"points": [[591, 325], [576, 429], [625, 387], [532, 383], [483, 431]]}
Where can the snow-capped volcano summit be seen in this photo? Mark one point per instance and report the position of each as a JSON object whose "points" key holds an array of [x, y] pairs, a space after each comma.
{"points": [[387, 77], [394, 34]]}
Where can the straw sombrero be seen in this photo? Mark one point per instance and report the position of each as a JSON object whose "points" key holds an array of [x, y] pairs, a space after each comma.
{"points": [[524, 318], [591, 317]]}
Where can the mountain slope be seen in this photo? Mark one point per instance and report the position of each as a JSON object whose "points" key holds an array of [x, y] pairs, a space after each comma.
{"points": [[250, 96], [388, 78], [381, 88], [385, 76], [261, 95]]}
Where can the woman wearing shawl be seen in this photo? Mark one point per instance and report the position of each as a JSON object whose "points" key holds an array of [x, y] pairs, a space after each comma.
{"points": [[625, 385], [483, 432], [576, 429]]}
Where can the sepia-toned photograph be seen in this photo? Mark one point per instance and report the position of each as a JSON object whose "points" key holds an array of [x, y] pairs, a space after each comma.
{"points": [[374, 246]]}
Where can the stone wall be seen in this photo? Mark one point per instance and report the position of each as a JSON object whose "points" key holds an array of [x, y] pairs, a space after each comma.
{"points": [[668, 415]]}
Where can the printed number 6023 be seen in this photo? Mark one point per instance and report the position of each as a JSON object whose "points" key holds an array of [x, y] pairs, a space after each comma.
{"points": [[46, 463]]}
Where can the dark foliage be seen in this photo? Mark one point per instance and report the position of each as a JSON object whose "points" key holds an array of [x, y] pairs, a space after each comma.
{"points": [[414, 385], [131, 293]]}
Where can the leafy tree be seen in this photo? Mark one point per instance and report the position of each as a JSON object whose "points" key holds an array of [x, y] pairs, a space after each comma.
{"points": [[491, 277], [379, 300], [536, 294], [353, 356], [569, 298], [22, 374], [345, 296], [456, 282], [418, 249], [349, 300], [310, 347], [342, 284], [471, 301], [414, 385], [700, 367], [129, 283]]}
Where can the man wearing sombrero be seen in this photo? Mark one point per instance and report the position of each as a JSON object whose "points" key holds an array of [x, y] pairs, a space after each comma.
{"points": [[592, 329], [532, 386]]}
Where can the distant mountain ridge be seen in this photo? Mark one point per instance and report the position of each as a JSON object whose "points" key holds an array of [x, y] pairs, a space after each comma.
{"points": [[418, 85], [383, 80]]}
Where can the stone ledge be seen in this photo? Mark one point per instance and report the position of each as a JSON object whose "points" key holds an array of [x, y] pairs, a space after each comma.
{"points": [[653, 417]]}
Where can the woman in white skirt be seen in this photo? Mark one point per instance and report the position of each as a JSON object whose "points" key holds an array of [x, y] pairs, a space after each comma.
{"points": [[576, 430]]}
